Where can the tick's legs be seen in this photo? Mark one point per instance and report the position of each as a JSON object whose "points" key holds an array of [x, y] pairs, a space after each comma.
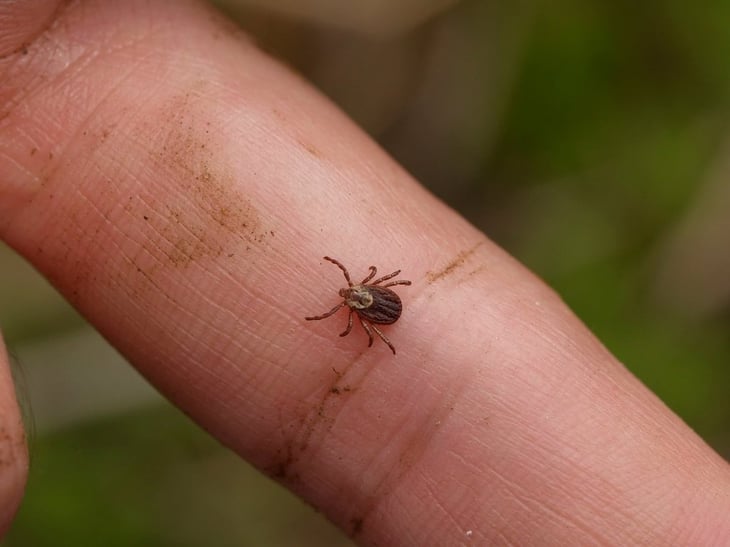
{"points": [[349, 325], [373, 271], [385, 277], [325, 315], [383, 338], [367, 329], [341, 267], [401, 282]]}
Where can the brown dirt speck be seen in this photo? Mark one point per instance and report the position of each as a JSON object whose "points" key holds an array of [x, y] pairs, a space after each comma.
{"points": [[310, 148]]}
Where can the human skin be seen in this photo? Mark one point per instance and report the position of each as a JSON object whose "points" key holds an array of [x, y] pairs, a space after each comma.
{"points": [[179, 187]]}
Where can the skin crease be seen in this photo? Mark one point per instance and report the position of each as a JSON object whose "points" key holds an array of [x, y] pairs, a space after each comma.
{"points": [[179, 187]]}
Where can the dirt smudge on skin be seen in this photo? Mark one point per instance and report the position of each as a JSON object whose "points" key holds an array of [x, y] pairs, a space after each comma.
{"points": [[12, 445], [311, 427], [310, 148], [313, 423], [412, 446], [220, 219], [282, 469], [6, 458], [451, 267]]}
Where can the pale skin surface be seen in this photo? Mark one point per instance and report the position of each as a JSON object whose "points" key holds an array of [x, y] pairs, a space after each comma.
{"points": [[180, 188]]}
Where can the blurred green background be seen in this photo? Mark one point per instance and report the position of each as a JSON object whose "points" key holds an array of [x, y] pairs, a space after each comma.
{"points": [[590, 139]]}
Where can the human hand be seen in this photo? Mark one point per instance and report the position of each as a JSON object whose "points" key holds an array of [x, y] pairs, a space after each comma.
{"points": [[180, 188]]}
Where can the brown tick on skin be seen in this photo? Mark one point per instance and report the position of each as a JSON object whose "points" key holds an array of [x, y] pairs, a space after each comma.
{"points": [[373, 303]]}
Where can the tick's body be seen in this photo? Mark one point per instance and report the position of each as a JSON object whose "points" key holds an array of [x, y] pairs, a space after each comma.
{"points": [[373, 303]]}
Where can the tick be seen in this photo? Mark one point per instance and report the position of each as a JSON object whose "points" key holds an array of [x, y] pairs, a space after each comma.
{"points": [[373, 303]]}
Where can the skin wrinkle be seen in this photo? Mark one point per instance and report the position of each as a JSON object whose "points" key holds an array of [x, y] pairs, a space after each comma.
{"points": [[181, 310], [15, 162], [22, 44], [492, 469], [505, 510], [518, 430], [605, 488], [504, 540], [660, 426], [600, 491], [535, 507], [11, 104], [304, 434], [543, 459], [315, 421], [210, 372], [412, 451], [596, 503], [102, 102], [252, 374], [692, 535], [445, 511], [81, 246], [71, 73]]}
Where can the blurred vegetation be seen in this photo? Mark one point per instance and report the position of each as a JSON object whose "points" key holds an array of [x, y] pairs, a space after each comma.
{"points": [[590, 139]]}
